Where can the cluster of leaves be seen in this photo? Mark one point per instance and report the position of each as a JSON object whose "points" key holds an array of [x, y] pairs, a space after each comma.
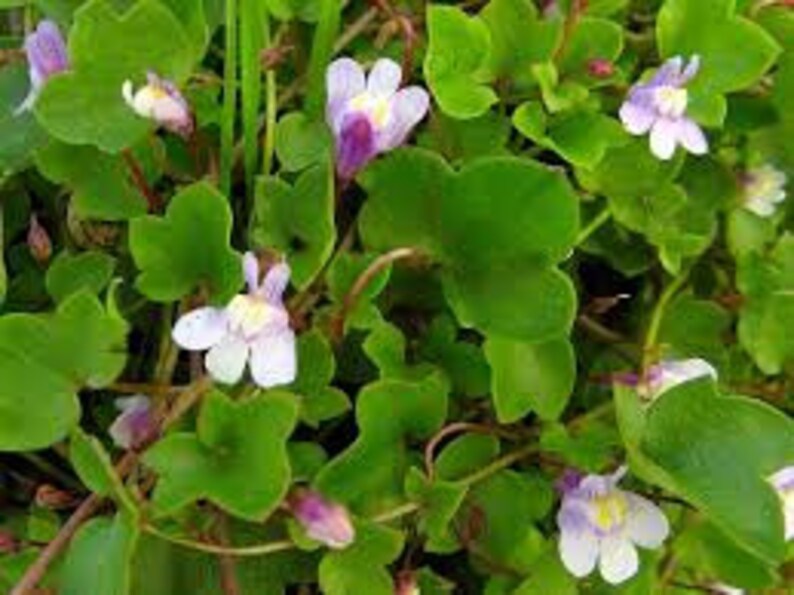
{"points": [[484, 285]]}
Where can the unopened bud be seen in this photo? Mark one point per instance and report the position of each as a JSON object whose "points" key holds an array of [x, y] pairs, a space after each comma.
{"points": [[39, 241], [135, 426], [8, 543], [324, 521], [51, 498], [600, 68], [405, 584]]}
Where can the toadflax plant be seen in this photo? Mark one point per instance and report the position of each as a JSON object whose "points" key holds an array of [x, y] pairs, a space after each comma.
{"points": [[396, 297]]}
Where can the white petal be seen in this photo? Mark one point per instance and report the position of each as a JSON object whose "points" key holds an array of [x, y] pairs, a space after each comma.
{"points": [[275, 283], [692, 138], [127, 94], [384, 78], [226, 361], [200, 329], [664, 136], [637, 119], [646, 524], [760, 207], [344, 80], [407, 107], [251, 271], [578, 552], [273, 358], [618, 560]]}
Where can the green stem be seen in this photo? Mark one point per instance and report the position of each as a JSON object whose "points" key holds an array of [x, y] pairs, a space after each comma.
{"points": [[271, 99], [322, 50], [499, 464], [229, 99], [593, 225], [3, 273], [652, 335]]}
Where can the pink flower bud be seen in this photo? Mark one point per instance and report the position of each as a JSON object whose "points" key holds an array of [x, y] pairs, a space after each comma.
{"points": [[324, 521], [600, 68], [135, 425], [8, 543], [39, 241], [406, 584]]}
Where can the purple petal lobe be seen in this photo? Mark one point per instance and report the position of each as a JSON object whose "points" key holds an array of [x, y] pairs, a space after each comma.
{"points": [[274, 359], [275, 283], [669, 72], [355, 145], [384, 78], [637, 119], [251, 271], [664, 136], [408, 107]]}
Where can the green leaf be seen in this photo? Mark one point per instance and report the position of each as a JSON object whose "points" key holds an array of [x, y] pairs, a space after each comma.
{"points": [[439, 501], [95, 469], [300, 142], [710, 29], [99, 557], [463, 140], [498, 300], [592, 38], [716, 452], [70, 273], [519, 37], [316, 368], [456, 62], [548, 575], [767, 284], [172, 262], [100, 183], [298, 220], [530, 377], [84, 105], [695, 328], [404, 192], [369, 474], [360, 568], [237, 459], [45, 359]]}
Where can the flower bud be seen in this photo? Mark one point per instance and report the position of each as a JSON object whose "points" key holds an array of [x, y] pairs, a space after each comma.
{"points": [[406, 584], [39, 241], [324, 521], [135, 425], [600, 68], [8, 543], [161, 101], [52, 498]]}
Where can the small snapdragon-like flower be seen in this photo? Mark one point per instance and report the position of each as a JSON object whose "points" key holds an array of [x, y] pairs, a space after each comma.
{"points": [[369, 115], [324, 521], [161, 101], [135, 425], [46, 54], [669, 374], [659, 106], [783, 482], [252, 329], [764, 188], [603, 525]]}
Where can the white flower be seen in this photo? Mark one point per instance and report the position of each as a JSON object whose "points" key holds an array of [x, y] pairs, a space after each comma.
{"points": [[764, 189], [253, 328], [603, 525], [161, 101], [668, 374], [783, 482]]}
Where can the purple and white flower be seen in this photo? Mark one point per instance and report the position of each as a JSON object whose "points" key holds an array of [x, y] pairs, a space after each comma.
{"points": [[46, 53], [659, 106], [783, 482], [603, 525], [161, 101], [253, 329], [670, 373], [135, 425], [764, 188], [369, 115], [324, 521]]}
